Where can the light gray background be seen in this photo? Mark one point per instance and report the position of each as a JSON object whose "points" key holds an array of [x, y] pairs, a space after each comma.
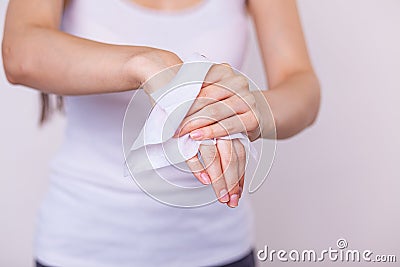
{"points": [[340, 178]]}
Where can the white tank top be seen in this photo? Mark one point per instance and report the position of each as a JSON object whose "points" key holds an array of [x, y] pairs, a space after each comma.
{"points": [[93, 216]]}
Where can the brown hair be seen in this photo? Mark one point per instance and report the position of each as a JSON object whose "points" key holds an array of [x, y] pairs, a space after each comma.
{"points": [[49, 104]]}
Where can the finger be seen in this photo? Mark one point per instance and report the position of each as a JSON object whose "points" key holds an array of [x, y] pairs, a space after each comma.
{"points": [[236, 124], [236, 85], [229, 163], [211, 159], [198, 170], [207, 116], [213, 92], [218, 72], [241, 153], [214, 112]]}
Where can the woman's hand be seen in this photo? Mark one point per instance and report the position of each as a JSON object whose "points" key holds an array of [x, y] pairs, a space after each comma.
{"points": [[224, 166], [224, 106]]}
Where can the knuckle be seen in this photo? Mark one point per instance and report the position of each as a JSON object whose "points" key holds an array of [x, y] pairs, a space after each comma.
{"points": [[218, 67], [205, 93], [216, 157], [250, 100], [229, 127], [226, 66], [212, 131], [212, 111], [241, 82]]}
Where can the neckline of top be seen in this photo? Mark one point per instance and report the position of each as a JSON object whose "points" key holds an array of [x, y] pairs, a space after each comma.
{"points": [[191, 10]]}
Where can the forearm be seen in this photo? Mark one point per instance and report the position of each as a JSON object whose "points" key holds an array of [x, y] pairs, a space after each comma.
{"points": [[55, 62], [294, 104]]}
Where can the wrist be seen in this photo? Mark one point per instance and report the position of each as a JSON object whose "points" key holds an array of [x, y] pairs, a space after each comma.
{"points": [[264, 116], [145, 64]]}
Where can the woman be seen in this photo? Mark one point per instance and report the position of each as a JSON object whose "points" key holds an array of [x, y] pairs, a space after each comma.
{"points": [[103, 51]]}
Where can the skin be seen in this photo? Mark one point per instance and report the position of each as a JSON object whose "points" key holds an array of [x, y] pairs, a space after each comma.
{"points": [[37, 54]]}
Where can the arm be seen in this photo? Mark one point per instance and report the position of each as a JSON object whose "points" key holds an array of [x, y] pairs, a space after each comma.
{"points": [[293, 97], [294, 93], [38, 55]]}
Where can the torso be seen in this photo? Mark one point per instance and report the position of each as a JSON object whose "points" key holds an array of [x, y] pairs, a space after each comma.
{"points": [[168, 5], [164, 5], [94, 216]]}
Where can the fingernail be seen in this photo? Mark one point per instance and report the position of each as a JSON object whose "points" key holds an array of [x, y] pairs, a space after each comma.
{"points": [[234, 201], [223, 196], [196, 135], [205, 178]]}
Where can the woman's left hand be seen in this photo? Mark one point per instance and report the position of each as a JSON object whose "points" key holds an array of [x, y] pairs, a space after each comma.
{"points": [[223, 107], [224, 168]]}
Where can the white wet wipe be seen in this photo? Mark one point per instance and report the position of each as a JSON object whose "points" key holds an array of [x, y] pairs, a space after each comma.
{"points": [[155, 147]]}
